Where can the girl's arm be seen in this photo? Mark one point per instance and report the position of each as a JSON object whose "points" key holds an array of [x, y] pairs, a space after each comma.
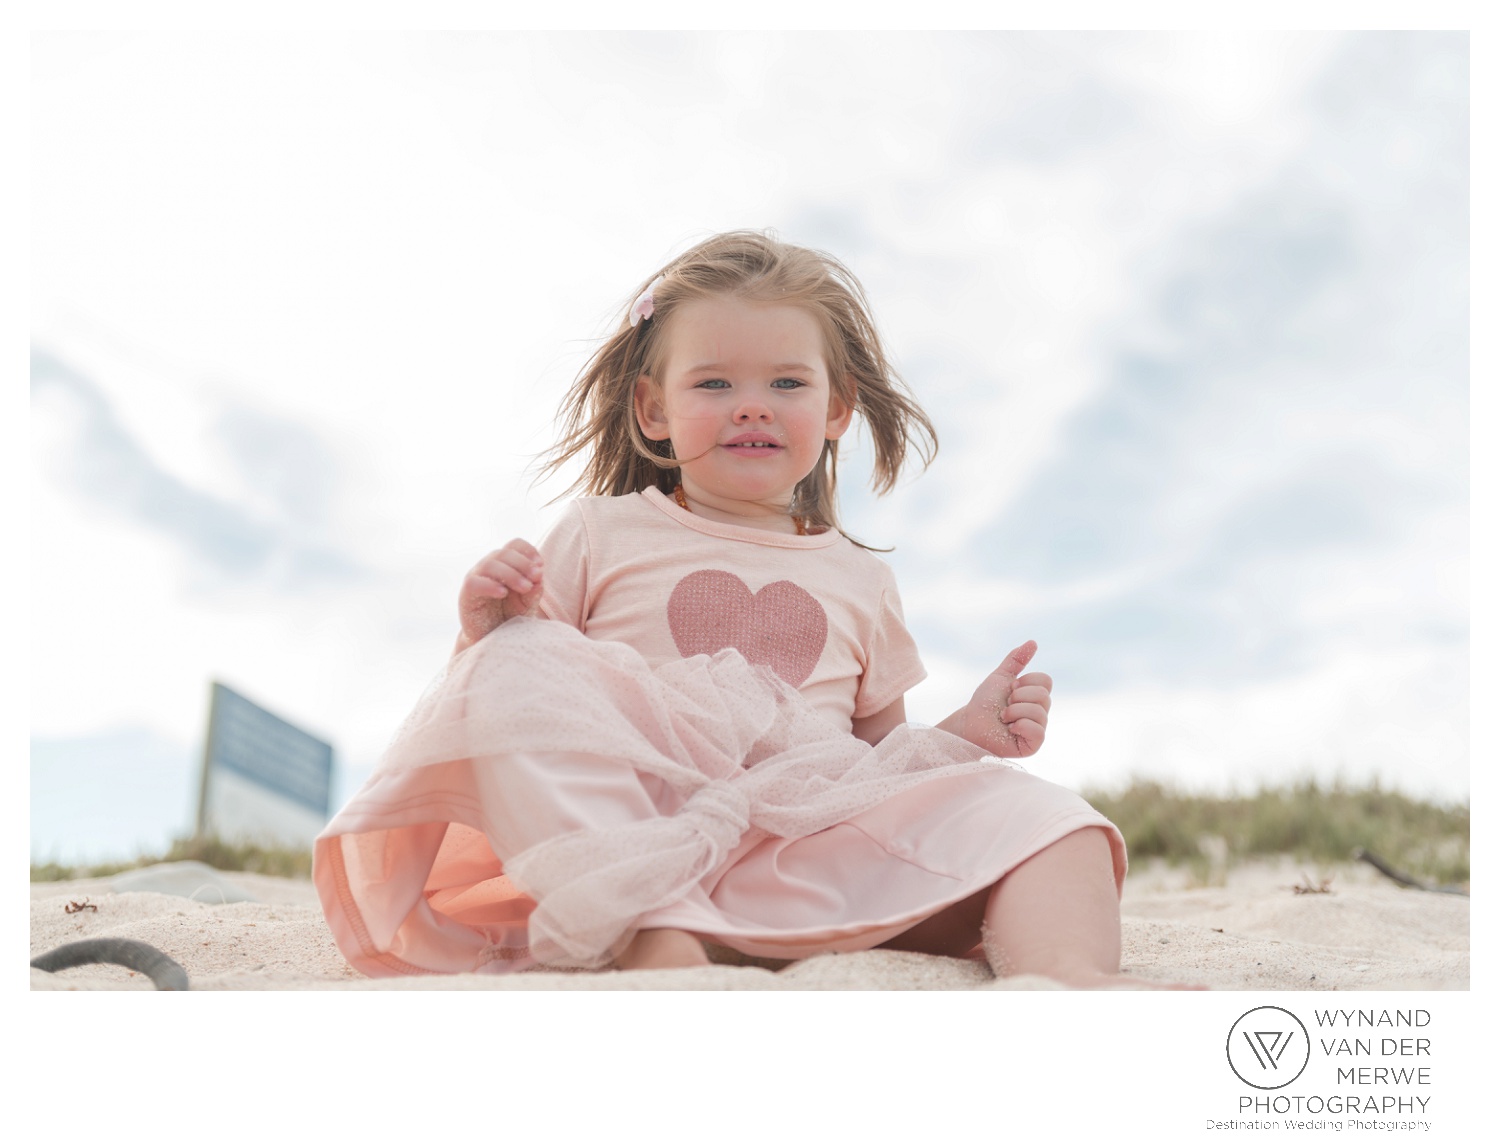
{"points": [[1006, 717], [872, 729]]}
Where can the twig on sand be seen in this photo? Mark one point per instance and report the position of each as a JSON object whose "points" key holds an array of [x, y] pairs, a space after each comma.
{"points": [[1401, 877], [1307, 887]]}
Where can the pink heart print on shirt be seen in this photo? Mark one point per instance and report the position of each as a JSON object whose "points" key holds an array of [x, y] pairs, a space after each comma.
{"points": [[780, 625]]}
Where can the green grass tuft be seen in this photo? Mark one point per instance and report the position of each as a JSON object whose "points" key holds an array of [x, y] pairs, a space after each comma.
{"points": [[1429, 841], [291, 863]]}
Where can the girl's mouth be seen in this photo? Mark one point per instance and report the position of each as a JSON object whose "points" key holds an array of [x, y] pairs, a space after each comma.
{"points": [[754, 444]]}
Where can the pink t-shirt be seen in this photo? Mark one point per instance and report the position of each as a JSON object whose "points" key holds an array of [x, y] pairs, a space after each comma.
{"points": [[821, 612]]}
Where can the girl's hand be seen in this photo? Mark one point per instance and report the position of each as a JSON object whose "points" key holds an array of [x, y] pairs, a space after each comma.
{"points": [[1007, 716], [505, 584]]}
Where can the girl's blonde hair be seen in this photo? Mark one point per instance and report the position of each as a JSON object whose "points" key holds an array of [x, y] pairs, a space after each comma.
{"points": [[598, 414]]}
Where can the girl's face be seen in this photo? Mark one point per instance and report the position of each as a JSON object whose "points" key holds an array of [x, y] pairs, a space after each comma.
{"points": [[744, 396]]}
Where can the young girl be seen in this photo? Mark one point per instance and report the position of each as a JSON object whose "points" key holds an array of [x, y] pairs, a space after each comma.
{"points": [[680, 721]]}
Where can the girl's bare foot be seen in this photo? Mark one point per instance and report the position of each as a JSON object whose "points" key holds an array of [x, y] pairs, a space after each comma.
{"points": [[661, 949]]}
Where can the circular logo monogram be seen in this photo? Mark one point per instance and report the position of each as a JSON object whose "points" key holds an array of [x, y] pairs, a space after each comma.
{"points": [[1268, 1047]]}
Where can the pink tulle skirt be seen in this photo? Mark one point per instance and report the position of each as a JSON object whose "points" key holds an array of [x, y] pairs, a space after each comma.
{"points": [[551, 795]]}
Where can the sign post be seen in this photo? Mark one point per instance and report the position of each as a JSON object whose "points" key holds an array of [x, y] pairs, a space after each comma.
{"points": [[264, 780]]}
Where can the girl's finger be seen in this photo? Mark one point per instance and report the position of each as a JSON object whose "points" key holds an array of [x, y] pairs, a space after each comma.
{"points": [[503, 561], [523, 555], [483, 586], [518, 568], [503, 584], [503, 570], [518, 582], [1034, 694], [1014, 714], [1016, 660], [523, 548], [1030, 734], [1041, 679]]}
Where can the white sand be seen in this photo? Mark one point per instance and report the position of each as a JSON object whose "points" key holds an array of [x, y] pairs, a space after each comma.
{"points": [[1252, 933]]}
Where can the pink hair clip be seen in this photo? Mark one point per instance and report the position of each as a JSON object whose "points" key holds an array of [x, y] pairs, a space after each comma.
{"points": [[645, 305]]}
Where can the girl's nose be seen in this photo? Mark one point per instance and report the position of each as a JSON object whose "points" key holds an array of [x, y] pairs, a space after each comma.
{"points": [[751, 410]]}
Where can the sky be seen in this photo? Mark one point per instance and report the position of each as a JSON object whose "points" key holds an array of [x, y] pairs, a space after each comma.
{"points": [[1190, 313]]}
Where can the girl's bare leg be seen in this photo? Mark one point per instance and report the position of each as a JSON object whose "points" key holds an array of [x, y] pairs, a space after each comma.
{"points": [[1055, 914], [1058, 914], [661, 948]]}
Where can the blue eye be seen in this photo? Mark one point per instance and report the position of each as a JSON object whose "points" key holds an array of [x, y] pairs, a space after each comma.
{"points": [[716, 385], [788, 383]]}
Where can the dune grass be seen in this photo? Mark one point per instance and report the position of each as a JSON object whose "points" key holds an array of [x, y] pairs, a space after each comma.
{"points": [[1306, 820], [291, 863]]}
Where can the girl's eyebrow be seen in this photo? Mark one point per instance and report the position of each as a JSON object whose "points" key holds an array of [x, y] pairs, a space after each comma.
{"points": [[792, 366]]}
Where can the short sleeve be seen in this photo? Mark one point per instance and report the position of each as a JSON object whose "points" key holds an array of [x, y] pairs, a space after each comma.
{"points": [[565, 569], [892, 664]]}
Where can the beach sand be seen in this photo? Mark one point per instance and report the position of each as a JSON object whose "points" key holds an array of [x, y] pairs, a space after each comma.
{"points": [[1251, 931]]}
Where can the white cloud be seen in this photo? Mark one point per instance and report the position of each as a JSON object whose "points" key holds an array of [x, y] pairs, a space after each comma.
{"points": [[1400, 718]]}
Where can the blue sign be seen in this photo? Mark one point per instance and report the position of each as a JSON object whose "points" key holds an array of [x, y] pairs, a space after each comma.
{"points": [[259, 746]]}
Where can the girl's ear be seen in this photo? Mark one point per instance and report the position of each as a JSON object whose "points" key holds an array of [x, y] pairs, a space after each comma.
{"points": [[840, 412], [649, 413]]}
